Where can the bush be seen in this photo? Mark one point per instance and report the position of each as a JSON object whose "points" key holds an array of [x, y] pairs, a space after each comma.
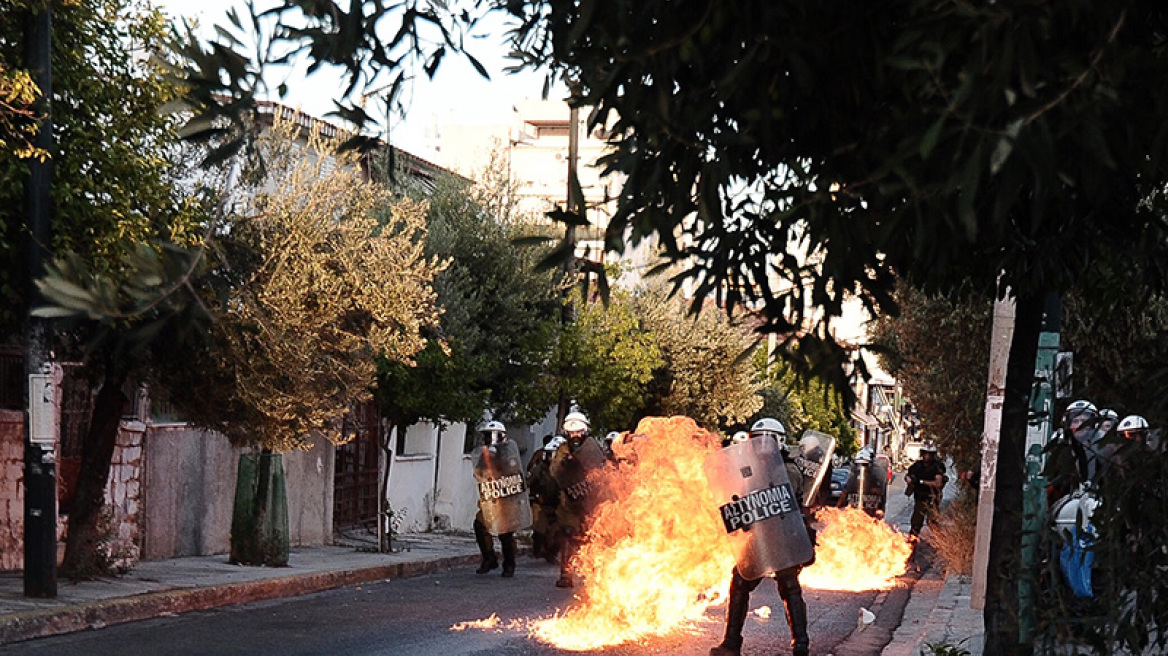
{"points": [[952, 535]]}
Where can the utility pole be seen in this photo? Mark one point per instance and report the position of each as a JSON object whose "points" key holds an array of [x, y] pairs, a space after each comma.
{"points": [[1002, 335], [575, 206], [40, 475]]}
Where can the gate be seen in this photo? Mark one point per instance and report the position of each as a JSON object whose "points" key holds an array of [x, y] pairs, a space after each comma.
{"points": [[355, 482]]}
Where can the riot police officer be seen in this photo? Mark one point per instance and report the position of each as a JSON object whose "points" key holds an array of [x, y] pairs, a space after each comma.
{"points": [[787, 580], [1067, 459], [926, 477], [867, 486], [492, 435], [568, 461], [545, 499]]}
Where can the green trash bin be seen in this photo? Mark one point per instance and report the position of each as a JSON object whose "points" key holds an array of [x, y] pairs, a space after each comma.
{"points": [[259, 523]]}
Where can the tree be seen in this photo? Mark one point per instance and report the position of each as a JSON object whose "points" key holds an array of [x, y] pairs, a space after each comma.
{"points": [[706, 373], [498, 325], [607, 360], [804, 404], [943, 368], [938, 348], [331, 274]]}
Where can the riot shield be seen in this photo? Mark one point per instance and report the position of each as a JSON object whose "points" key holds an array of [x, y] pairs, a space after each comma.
{"points": [[814, 461], [758, 507], [503, 498], [868, 488], [571, 471]]}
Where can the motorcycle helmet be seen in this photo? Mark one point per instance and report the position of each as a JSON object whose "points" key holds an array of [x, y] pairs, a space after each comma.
{"points": [[493, 432]]}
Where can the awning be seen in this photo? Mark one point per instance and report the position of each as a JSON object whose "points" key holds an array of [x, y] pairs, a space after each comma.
{"points": [[865, 418]]}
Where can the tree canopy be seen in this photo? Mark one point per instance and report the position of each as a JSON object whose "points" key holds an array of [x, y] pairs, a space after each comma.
{"points": [[326, 284], [499, 315]]}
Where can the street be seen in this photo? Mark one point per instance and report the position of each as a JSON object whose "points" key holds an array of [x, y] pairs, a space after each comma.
{"points": [[416, 616], [421, 616]]}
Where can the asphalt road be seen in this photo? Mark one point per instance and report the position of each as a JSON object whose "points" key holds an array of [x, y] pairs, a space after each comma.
{"points": [[415, 616]]}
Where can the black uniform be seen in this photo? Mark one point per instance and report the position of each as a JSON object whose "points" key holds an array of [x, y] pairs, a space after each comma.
{"points": [[790, 591], [486, 544], [927, 500]]}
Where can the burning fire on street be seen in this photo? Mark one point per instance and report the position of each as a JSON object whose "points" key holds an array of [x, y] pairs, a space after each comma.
{"points": [[657, 555], [856, 552]]}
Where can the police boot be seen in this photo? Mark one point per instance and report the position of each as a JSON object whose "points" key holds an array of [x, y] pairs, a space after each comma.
{"points": [[797, 620], [486, 547], [508, 542], [736, 611]]}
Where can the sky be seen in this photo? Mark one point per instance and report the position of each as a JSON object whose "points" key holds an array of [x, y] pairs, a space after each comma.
{"points": [[457, 92]]}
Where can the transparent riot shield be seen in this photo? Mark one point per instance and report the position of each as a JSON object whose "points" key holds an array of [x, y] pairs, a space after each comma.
{"points": [[571, 470], [814, 461], [503, 498], [758, 507], [867, 488]]}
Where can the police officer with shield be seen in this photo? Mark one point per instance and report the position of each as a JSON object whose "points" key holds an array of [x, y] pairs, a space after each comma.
{"points": [[504, 506], [766, 515], [571, 465]]}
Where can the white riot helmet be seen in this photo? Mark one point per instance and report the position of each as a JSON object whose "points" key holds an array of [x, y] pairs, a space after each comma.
{"points": [[772, 428], [929, 447], [493, 432], [1132, 426], [554, 444], [1077, 414], [863, 457], [1107, 419], [613, 436], [740, 436], [576, 425]]}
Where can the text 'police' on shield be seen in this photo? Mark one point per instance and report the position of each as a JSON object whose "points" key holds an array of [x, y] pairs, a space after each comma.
{"points": [[757, 506], [497, 488]]}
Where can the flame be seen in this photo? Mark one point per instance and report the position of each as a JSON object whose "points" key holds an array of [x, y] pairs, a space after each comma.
{"points": [[657, 556], [653, 560], [856, 552], [491, 622]]}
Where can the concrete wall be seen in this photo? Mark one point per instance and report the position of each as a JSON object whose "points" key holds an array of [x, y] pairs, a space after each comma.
{"points": [[189, 481], [411, 480], [11, 490]]}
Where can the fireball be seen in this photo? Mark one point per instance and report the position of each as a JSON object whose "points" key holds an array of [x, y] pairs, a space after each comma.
{"points": [[856, 552], [657, 555]]}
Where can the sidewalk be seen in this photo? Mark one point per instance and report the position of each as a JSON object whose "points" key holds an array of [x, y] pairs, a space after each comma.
{"points": [[180, 585], [938, 613]]}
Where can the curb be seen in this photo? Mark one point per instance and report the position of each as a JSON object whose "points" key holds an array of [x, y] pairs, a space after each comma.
{"points": [[28, 625]]}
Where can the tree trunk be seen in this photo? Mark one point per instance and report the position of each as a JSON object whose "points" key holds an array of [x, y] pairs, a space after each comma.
{"points": [[82, 559], [384, 531], [1001, 607]]}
